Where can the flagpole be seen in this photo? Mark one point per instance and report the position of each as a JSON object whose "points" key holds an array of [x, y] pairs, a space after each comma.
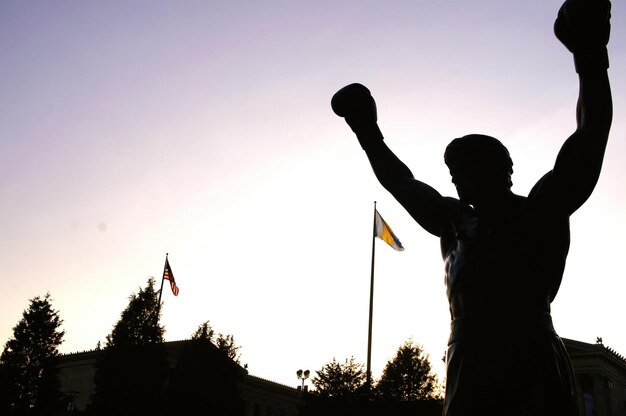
{"points": [[161, 291], [369, 329]]}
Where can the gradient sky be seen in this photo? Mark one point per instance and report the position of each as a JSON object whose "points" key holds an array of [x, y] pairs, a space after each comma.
{"points": [[203, 129]]}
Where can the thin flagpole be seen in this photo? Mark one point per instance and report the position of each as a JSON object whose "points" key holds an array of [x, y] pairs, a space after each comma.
{"points": [[161, 291], [369, 329]]}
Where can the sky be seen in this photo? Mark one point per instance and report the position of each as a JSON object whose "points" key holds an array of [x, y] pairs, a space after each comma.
{"points": [[203, 129]]}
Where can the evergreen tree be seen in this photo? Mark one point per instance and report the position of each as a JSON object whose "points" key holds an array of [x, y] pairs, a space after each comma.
{"points": [[131, 375], [225, 343], [28, 373], [140, 321], [204, 331], [408, 376], [340, 381]]}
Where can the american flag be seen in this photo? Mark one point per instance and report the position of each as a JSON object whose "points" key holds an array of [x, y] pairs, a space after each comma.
{"points": [[168, 275]]}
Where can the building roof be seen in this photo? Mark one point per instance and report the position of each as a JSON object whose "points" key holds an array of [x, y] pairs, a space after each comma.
{"points": [[579, 348]]}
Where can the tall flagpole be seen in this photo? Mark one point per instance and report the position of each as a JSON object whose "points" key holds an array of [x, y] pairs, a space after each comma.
{"points": [[369, 329], [161, 291]]}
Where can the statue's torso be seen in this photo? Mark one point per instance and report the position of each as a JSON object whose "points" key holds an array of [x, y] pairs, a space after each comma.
{"points": [[511, 268], [500, 281]]}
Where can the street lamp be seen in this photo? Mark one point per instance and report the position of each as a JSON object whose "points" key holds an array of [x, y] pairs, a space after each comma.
{"points": [[302, 375]]}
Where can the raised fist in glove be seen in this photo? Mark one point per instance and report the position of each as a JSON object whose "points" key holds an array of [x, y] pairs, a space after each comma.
{"points": [[583, 26], [356, 104]]}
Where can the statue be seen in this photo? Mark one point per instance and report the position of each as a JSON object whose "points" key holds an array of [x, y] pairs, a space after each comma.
{"points": [[504, 253]]}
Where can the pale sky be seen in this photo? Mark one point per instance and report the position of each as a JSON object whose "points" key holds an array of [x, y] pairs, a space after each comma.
{"points": [[203, 129]]}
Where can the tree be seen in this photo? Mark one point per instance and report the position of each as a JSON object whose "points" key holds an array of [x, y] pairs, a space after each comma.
{"points": [[28, 373], [225, 343], [341, 381], [204, 331], [408, 376], [132, 372], [207, 376], [139, 323]]}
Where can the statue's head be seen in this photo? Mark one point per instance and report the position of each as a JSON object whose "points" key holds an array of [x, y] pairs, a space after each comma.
{"points": [[478, 164]]}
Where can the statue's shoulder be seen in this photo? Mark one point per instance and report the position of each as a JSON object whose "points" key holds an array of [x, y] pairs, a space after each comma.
{"points": [[455, 206], [547, 199], [541, 188]]}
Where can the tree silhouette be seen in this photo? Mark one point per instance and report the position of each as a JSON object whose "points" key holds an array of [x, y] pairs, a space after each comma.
{"points": [[340, 381], [408, 376], [225, 343], [139, 323], [132, 372], [204, 331], [28, 373]]}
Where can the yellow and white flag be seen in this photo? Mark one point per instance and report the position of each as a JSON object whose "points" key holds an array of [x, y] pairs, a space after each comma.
{"points": [[383, 231]]}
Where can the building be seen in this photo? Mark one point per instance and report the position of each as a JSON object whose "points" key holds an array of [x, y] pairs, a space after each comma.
{"points": [[76, 376], [600, 378], [266, 398], [260, 397]]}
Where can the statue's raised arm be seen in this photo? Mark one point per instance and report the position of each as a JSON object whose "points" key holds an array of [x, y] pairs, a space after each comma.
{"points": [[424, 204], [583, 26]]}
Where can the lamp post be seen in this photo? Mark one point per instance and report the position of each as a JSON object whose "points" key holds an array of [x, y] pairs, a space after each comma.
{"points": [[302, 375]]}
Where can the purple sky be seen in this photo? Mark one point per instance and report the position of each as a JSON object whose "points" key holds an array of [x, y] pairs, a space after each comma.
{"points": [[203, 129]]}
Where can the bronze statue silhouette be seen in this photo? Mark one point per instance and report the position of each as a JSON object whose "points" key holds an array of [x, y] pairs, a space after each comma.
{"points": [[504, 253]]}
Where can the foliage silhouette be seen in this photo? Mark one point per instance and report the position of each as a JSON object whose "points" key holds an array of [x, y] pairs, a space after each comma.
{"points": [[132, 372], [225, 343], [28, 375], [340, 381], [139, 323], [408, 376]]}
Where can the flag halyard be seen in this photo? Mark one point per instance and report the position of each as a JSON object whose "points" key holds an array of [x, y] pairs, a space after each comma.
{"points": [[384, 232]]}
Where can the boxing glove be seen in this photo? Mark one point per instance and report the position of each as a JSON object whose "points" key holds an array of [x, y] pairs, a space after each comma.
{"points": [[356, 104], [583, 26]]}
